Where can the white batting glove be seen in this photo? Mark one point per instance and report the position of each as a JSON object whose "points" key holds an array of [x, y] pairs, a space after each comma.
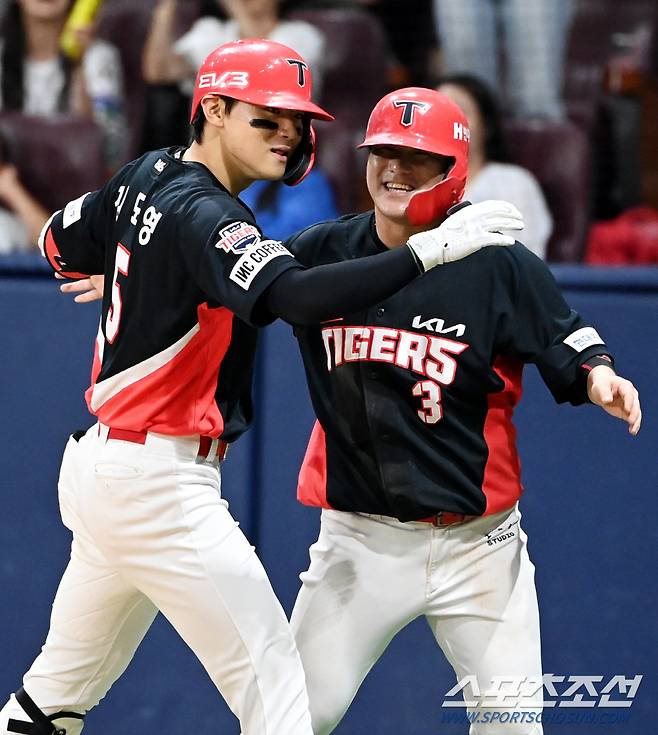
{"points": [[463, 233]]}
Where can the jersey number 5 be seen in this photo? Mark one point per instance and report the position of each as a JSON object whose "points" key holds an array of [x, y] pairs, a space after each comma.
{"points": [[121, 264]]}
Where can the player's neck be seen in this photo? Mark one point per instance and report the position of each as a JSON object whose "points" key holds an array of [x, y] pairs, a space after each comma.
{"points": [[394, 233], [211, 157]]}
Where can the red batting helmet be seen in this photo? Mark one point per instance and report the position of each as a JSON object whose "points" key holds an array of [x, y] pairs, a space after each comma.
{"points": [[268, 74], [429, 121]]}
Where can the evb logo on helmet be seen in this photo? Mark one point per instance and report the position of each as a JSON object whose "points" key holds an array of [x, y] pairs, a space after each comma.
{"points": [[237, 237], [239, 79]]}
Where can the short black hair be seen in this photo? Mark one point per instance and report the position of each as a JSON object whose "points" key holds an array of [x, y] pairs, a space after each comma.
{"points": [[489, 109], [199, 121]]}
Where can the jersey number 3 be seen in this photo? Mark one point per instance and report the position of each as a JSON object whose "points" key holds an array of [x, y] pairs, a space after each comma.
{"points": [[430, 393], [121, 265]]}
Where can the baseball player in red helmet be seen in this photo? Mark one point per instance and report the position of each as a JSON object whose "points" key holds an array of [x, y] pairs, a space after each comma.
{"points": [[188, 276], [413, 457]]}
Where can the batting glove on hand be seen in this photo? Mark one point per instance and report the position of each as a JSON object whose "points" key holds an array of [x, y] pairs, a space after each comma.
{"points": [[471, 227]]}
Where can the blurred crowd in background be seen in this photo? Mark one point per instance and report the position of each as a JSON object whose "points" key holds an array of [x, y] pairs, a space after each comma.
{"points": [[561, 98]]}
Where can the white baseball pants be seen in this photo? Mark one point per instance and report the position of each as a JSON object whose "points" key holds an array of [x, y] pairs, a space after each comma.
{"points": [[151, 532], [370, 576]]}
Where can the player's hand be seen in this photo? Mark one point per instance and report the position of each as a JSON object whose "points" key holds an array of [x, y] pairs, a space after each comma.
{"points": [[466, 231], [616, 395], [88, 289]]}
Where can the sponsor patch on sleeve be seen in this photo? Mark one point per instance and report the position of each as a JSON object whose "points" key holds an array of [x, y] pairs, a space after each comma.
{"points": [[237, 237], [254, 260], [583, 338], [73, 211]]}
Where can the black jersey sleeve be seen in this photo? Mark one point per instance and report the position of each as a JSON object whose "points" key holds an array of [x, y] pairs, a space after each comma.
{"points": [[541, 328], [74, 239], [335, 289], [228, 257], [306, 245]]}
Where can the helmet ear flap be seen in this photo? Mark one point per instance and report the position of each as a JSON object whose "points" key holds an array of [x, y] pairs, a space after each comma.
{"points": [[302, 160], [429, 204]]}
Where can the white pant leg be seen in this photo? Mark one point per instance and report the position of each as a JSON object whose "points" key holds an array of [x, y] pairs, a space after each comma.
{"points": [[366, 581], [483, 612], [159, 517], [97, 623]]}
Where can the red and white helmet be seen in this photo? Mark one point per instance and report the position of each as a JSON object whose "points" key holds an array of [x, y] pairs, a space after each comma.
{"points": [[428, 121], [268, 74]]}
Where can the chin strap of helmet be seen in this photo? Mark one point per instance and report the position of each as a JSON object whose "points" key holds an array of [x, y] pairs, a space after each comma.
{"points": [[302, 160], [41, 723]]}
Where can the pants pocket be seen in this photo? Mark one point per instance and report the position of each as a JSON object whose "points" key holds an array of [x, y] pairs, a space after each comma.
{"points": [[114, 471]]}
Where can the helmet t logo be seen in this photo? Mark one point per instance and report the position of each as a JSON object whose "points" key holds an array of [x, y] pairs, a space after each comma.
{"points": [[409, 110], [301, 70]]}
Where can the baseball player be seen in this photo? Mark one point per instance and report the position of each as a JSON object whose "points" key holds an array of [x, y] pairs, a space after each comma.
{"points": [[187, 278], [413, 457]]}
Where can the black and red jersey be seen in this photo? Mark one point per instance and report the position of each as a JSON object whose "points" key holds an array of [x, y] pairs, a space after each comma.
{"points": [[185, 265], [415, 396]]}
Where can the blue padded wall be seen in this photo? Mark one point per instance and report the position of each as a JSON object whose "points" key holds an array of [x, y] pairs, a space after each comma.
{"points": [[589, 510]]}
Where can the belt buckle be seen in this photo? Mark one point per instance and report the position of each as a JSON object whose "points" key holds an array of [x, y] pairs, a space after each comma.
{"points": [[446, 518]]}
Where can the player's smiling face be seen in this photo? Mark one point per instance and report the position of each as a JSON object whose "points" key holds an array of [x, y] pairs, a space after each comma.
{"points": [[395, 172], [260, 140]]}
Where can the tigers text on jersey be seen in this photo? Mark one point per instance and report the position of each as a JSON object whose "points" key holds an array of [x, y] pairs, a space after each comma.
{"points": [[415, 396], [185, 265]]}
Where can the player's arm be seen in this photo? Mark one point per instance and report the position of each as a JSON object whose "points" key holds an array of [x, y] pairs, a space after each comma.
{"points": [[313, 295], [258, 289], [65, 243], [571, 356], [597, 380], [325, 291], [73, 239], [616, 395], [306, 296]]}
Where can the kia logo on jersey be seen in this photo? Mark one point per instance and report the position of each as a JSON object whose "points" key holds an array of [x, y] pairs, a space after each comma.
{"points": [[237, 237], [436, 324]]}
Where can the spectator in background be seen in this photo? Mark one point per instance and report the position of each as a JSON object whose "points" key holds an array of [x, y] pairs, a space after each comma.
{"points": [[283, 210], [409, 33], [490, 173], [533, 34], [37, 79], [167, 59], [411, 36], [21, 216]]}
